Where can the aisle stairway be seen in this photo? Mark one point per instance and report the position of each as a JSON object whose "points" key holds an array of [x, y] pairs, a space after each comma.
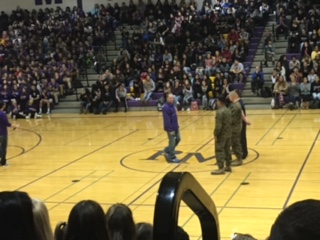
{"points": [[252, 100]]}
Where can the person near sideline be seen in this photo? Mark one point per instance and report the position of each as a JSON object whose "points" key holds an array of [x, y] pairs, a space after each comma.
{"points": [[4, 124], [171, 126]]}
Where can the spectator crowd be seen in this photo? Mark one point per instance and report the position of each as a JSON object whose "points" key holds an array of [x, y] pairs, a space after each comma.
{"points": [[194, 52], [295, 80]]}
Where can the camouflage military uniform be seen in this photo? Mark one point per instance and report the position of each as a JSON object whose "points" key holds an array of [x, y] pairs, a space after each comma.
{"points": [[222, 132], [236, 126]]}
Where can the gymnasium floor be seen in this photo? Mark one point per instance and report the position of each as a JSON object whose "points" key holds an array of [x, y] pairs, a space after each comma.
{"points": [[63, 159]]}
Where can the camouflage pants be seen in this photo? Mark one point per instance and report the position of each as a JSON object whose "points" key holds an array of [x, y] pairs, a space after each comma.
{"points": [[236, 145], [222, 151]]}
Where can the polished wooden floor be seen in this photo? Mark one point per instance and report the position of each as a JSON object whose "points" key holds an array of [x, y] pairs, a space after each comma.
{"points": [[63, 159]]}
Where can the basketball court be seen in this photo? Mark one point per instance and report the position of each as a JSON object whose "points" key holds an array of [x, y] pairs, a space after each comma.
{"points": [[64, 159]]}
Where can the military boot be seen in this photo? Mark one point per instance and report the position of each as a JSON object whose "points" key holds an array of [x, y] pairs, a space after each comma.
{"points": [[220, 171], [237, 163]]}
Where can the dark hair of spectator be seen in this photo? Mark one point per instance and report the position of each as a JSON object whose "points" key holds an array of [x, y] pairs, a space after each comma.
{"points": [[300, 221], [16, 217], [144, 231], [86, 222], [120, 223]]}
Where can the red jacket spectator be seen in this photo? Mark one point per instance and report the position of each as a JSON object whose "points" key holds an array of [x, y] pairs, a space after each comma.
{"points": [[233, 36]]}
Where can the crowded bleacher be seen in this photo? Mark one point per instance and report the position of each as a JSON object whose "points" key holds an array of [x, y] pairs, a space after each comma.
{"points": [[43, 53], [296, 77]]}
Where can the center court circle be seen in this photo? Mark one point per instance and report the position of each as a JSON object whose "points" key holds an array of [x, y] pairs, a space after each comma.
{"points": [[152, 160]]}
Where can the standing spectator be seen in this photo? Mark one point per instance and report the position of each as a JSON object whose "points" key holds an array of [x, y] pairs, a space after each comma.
{"points": [[121, 96], [171, 126], [4, 124], [222, 138]]}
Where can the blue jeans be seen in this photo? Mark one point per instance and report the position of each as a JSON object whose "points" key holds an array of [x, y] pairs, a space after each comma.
{"points": [[173, 143], [3, 149], [147, 96], [104, 108]]}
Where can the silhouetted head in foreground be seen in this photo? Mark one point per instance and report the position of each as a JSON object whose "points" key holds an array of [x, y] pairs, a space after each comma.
{"points": [[300, 221], [16, 217]]}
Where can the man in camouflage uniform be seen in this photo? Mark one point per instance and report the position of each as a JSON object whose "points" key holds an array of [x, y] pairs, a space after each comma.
{"points": [[236, 127], [222, 137]]}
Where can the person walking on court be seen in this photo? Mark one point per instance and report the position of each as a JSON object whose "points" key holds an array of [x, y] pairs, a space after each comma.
{"points": [[236, 127], [245, 122], [222, 138], [171, 126], [4, 124]]}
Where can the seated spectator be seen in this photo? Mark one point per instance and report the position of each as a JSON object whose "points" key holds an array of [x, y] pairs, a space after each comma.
{"points": [[280, 90], [87, 222], [226, 88], [237, 71], [244, 36], [294, 63], [312, 76], [269, 53], [315, 52], [144, 231], [121, 96], [107, 99], [233, 36], [148, 87], [31, 110], [85, 98], [305, 90], [187, 96], [178, 94], [16, 216], [120, 223], [205, 95], [300, 221], [257, 80], [45, 98], [293, 42], [315, 88], [137, 88], [294, 93], [41, 220]]}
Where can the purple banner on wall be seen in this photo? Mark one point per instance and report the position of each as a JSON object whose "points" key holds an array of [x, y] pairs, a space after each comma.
{"points": [[47, 2]]}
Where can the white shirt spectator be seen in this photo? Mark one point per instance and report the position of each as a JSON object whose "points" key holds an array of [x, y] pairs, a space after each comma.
{"points": [[294, 63]]}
